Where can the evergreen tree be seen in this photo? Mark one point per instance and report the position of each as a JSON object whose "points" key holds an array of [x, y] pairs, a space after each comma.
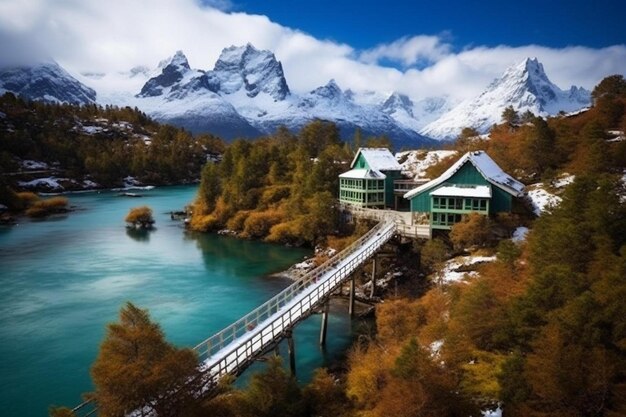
{"points": [[510, 116], [137, 368]]}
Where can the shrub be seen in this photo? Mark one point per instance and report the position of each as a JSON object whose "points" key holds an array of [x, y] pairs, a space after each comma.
{"points": [[236, 222], [42, 208], [204, 223], [274, 194], [285, 233], [258, 224], [140, 217], [473, 230]]}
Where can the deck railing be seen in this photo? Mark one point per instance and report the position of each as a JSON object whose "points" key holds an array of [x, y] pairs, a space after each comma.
{"points": [[231, 349]]}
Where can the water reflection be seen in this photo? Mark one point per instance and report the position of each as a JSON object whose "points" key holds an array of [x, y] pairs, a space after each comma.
{"points": [[139, 235], [240, 256]]}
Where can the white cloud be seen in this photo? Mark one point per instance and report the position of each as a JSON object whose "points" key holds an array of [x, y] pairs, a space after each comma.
{"points": [[116, 35], [409, 50]]}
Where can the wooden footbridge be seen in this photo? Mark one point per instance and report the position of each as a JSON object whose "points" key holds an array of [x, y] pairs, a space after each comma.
{"points": [[233, 349]]}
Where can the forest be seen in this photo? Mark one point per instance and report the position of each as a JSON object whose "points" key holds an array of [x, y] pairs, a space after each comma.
{"points": [[102, 144], [539, 332], [281, 188]]}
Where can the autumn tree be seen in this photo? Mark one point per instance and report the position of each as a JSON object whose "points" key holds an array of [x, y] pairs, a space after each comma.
{"points": [[324, 396], [140, 217], [210, 186], [272, 392], [137, 368], [473, 230], [611, 86]]}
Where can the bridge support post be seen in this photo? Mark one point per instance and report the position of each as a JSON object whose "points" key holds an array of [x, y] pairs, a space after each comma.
{"points": [[373, 287], [291, 349], [324, 324], [351, 302]]}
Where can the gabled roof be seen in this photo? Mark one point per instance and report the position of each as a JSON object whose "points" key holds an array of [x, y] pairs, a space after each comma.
{"points": [[379, 159], [363, 173], [487, 168]]}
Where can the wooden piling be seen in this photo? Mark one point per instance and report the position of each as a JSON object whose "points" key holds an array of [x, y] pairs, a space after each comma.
{"points": [[324, 326], [351, 302], [373, 286], [292, 354]]}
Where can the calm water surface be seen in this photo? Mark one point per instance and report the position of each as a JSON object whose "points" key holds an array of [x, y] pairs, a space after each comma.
{"points": [[62, 280]]}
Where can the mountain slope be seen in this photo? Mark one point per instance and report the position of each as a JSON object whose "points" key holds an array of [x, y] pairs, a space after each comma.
{"points": [[525, 86], [45, 82], [246, 94]]}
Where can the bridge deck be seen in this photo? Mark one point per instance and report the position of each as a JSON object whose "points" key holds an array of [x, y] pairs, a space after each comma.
{"points": [[231, 350]]}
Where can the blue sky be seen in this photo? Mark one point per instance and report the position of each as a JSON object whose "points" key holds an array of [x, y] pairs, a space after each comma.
{"points": [[422, 49], [366, 23]]}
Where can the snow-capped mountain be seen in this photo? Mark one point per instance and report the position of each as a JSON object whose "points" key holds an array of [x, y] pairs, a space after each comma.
{"points": [[248, 68], [45, 81], [524, 86], [246, 94]]}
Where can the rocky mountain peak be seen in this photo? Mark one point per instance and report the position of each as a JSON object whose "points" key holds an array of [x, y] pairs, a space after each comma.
{"points": [[256, 71], [45, 81], [398, 102], [524, 86], [329, 91], [173, 70]]}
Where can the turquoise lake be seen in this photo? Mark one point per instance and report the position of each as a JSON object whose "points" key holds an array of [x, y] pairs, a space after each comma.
{"points": [[63, 279]]}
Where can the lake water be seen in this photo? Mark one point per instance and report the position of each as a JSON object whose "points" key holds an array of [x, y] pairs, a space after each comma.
{"points": [[63, 279]]}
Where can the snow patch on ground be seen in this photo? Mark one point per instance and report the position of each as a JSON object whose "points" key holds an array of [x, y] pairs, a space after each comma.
{"points": [[52, 183], [92, 130], [492, 413], [540, 199], [616, 136], [563, 180], [415, 163], [435, 347], [29, 164], [450, 272], [519, 234], [90, 184]]}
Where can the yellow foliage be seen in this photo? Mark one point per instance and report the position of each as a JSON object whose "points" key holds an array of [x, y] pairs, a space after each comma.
{"points": [[435, 305], [204, 223], [27, 198], [340, 243], [399, 320], [236, 222], [284, 233], [475, 229], [274, 194], [480, 376], [223, 211], [369, 373], [41, 208], [142, 214], [258, 224]]}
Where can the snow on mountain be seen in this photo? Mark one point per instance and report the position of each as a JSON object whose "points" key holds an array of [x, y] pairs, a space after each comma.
{"points": [[246, 94], [47, 82], [415, 163], [524, 86], [253, 70]]}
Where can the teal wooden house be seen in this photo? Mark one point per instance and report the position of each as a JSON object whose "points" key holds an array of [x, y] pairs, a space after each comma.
{"points": [[370, 181], [475, 183]]}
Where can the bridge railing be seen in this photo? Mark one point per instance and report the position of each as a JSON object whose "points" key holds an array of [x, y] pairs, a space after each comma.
{"points": [[250, 321]]}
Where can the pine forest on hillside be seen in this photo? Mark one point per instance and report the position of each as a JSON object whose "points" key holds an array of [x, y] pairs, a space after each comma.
{"points": [[539, 330]]}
